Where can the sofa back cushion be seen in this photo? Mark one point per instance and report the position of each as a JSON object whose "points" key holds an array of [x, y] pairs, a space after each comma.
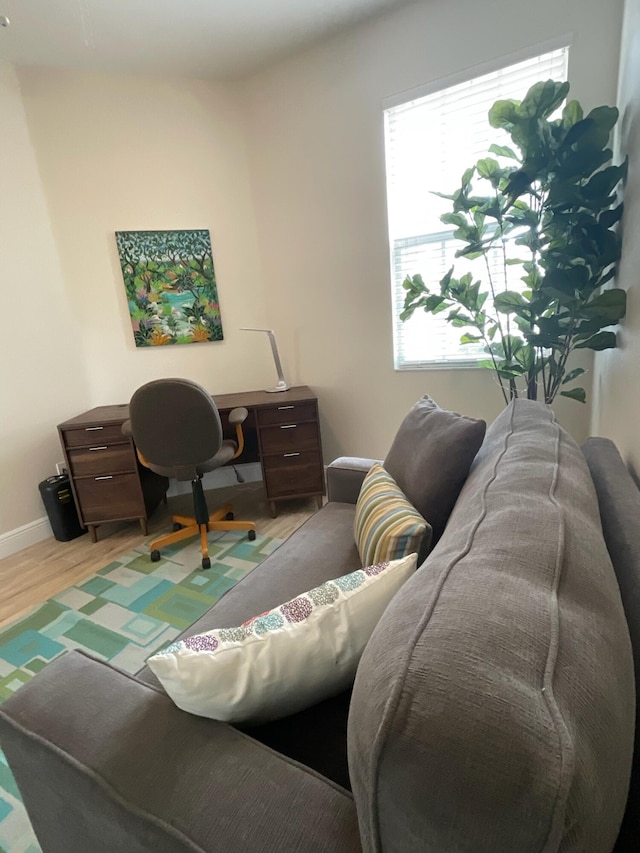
{"points": [[493, 707], [619, 501], [430, 458]]}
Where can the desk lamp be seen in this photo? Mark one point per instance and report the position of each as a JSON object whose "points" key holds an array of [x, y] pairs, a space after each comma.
{"points": [[281, 385]]}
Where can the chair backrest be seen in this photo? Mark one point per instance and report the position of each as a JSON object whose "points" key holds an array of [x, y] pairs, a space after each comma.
{"points": [[175, 425]]}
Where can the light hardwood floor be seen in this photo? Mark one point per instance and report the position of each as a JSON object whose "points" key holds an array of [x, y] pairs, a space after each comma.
{"points": [[43, 570]]}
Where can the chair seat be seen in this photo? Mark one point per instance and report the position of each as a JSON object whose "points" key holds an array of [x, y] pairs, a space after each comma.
{"points": [[190, 472], [224, 455]]}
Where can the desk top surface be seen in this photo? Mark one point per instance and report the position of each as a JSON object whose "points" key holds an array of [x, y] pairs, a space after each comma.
{"points": [[119, 412]]}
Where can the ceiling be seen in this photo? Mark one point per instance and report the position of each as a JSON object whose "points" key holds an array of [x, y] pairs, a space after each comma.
{"points": [[215, 39]]}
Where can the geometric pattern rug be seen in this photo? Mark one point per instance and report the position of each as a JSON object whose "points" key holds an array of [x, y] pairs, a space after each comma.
{"points": [[123, 614]]}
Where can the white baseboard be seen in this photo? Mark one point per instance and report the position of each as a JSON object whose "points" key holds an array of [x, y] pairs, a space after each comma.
{"points": [[22, 537]]}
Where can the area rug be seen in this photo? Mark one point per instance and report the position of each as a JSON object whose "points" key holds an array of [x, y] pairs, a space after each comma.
{"points": [[123, 614]]}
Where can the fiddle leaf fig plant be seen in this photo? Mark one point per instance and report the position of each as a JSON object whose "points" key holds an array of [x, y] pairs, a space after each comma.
{"points": [[542, 214]]}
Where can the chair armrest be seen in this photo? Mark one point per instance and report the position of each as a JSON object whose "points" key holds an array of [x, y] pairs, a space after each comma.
{"points": [[344, 478], [238, 416], [105, 762]]}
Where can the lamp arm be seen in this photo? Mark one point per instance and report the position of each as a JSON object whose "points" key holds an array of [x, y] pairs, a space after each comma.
{"points": [[282, 384], [276, 357]]}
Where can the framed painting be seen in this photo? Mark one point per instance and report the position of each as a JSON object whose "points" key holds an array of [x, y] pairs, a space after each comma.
{"points": [[171, 287]]}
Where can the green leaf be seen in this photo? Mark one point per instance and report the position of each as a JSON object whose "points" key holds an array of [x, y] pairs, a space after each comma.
{"points": [[565, 282], [433, 302], [595, 129], [600, 341], [503, 151], [445, 281], [571, 114], [456, 219], [543, 98], [467, 176], [504, 114], [509, 302], [490, 169], [519, 183], [448, 196], [510, 372], [578, 394], [604, 117], [610, 305], [573, 374], [608, 218], [603, 183]]}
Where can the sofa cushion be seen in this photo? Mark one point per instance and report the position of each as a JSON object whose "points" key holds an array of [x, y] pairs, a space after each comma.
{"points": [[619, 502], [386, 526], [493, 708], [430, 458], [285, 659]]}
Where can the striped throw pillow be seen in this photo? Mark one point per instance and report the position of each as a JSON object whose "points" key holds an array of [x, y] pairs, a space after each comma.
{"points": [[386, 525]]}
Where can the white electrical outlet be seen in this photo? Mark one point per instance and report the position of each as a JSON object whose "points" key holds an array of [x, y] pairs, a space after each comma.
{"points": [[61, 468]]}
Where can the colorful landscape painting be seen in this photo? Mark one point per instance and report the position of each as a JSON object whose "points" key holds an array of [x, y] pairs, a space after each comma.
{"points": [[171, 286]]}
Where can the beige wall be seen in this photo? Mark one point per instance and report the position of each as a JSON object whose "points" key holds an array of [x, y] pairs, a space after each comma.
{"points": [[85, 155], [316, 148], [43, 375], [131, 153], [617, 378], [287, 172]]}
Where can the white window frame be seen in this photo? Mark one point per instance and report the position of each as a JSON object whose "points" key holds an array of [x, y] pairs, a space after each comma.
{"points": [[457, 354]]}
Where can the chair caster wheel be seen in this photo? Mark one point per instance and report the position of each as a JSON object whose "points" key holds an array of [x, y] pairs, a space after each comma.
{"points": [[177, 526], [229, 516], [206, 563], [155, 556], [252, 535]]}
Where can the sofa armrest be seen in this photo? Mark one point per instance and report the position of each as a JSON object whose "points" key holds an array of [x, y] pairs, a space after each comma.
{"points": [[344, 478], [105, 762]]}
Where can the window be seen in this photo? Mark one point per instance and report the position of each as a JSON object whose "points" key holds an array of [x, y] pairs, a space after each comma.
{"points": [[429, 143]]}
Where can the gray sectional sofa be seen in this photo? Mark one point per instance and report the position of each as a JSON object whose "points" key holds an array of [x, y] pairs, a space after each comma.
{"points": [[493, 710]]}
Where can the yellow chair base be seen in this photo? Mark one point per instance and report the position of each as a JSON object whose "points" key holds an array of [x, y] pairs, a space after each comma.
{"points": [[190, 528]]}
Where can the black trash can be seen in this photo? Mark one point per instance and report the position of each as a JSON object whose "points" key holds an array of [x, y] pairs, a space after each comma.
{"points": [[58, 502]]}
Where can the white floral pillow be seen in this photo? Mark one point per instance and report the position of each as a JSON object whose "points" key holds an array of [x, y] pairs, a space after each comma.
{"points": [[286, 659]]}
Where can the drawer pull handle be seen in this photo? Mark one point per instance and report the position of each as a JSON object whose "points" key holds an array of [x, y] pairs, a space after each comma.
{"points": [[101, 447], [92, 429], [110, 477], [291, 454], [289, 426], [281, 408]]}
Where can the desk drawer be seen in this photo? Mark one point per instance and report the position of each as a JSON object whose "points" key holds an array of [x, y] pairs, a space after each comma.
{"points": [[109, 497], [289, 437], [293, 474], [288, 413], [102, 459], [94, 435]]}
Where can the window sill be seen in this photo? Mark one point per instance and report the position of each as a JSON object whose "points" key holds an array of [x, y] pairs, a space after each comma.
{"points": [[439, 365]]}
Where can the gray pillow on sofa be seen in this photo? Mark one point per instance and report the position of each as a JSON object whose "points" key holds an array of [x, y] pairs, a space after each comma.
{"points": [[430, 458]]}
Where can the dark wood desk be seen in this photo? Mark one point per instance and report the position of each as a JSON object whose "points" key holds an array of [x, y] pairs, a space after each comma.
{"points": [[282, 432]]}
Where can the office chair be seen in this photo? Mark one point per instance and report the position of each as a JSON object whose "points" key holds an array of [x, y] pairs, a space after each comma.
{"points": [[177, 432]]}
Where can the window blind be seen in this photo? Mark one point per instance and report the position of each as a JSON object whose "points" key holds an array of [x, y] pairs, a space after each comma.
{"points": [[429, 143]]}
